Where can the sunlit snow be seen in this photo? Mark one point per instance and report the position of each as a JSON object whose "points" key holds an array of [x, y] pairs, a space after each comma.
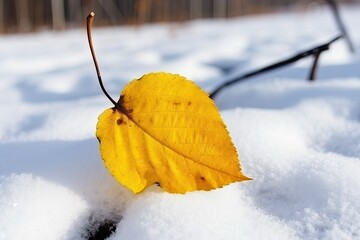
{"points": [[299, 141]]}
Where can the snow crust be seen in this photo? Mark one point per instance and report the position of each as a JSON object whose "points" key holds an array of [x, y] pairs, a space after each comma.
{"points": [[299, 141]]}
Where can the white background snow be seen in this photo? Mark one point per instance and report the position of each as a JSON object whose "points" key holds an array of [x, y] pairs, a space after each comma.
{"points": [[299, 141]]}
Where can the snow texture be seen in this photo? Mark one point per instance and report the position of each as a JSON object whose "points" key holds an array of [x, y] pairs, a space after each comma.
{"points": [[299, 141]]}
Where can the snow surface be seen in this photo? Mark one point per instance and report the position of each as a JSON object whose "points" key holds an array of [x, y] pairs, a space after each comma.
{"points": [[299, 141]]}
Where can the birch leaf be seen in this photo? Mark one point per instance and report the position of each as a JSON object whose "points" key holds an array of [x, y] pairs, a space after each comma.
{"points": [[166, 130]]}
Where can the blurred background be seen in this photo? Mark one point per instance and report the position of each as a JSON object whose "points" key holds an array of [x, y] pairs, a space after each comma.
{"points": [[20, 16]]}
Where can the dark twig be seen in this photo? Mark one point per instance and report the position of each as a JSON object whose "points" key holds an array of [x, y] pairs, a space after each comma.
{"points": [[89, 21], [312, 51], [340, 24], [314, 67]]}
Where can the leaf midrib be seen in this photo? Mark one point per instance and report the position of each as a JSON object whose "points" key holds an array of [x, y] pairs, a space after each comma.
{"points": [[170, 148]]}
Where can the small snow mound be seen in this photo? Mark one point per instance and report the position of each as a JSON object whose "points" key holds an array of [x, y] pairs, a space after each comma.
{"points": [[32, 208], [220, 214]]}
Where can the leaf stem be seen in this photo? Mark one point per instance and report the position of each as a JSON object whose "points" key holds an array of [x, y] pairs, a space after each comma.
{"points": [[89, 21]]}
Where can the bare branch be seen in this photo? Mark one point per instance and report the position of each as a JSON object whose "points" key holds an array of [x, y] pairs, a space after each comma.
{"points": [[340, 24], [310, 52], [314, 67]]}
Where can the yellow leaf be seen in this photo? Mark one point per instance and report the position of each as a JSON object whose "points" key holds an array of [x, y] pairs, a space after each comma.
{"points": [[167, 131]]}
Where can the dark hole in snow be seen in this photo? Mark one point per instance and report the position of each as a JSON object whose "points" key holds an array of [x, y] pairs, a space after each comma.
{"points": [[99, 230]]}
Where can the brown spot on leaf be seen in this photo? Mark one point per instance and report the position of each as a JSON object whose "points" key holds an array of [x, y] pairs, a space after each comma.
{"points": [[121, 104], [189, 103], [176, 103], [202, 178], [120, 121], [121, 100]]}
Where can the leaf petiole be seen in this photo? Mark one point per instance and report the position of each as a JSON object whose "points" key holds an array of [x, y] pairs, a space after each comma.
{"points": [[89, 21]]}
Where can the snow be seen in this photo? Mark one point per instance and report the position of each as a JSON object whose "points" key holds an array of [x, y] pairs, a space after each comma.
{"points": [[299, 141], [28, 203]]}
